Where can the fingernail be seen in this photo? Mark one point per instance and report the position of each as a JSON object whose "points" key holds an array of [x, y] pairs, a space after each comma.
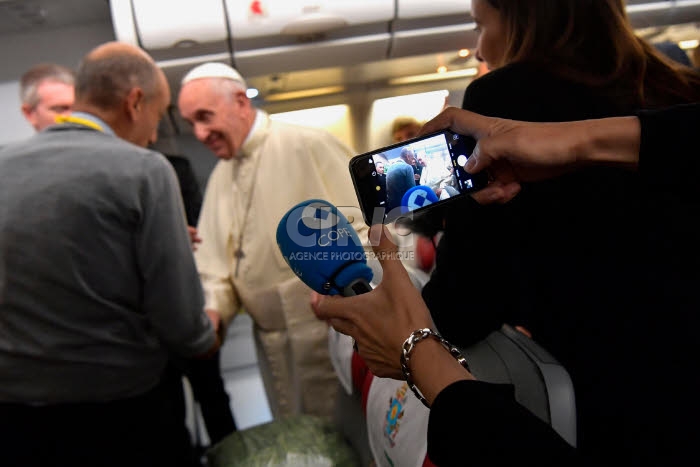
{"points": [[471, 162], [496, 195]]}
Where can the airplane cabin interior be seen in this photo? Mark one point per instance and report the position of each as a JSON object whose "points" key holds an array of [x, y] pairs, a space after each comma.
{"points": [[347, 66]]}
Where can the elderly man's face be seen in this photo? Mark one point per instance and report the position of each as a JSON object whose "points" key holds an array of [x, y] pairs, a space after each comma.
{"points": [[411, 157], [220, 116], [55, 98]]}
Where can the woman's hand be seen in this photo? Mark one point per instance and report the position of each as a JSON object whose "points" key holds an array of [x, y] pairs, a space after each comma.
{"points": [[513, 151], [194, 237], [381, 320]]}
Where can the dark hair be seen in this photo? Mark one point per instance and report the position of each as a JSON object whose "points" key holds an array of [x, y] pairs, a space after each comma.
{"points": [[105, 80], [592, 42], [405, 152], [32, 78]]}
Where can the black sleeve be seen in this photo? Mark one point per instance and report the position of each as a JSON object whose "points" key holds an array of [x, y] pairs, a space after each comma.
{"points": [[509, 262], [460, 293], [477, 423], [668, 156], [189, 188], [517, 92]]}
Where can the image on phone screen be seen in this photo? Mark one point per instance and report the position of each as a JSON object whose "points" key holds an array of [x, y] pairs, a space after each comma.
{"points": [[409, 177]]}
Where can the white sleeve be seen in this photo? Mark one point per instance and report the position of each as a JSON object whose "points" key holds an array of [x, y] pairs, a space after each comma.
{"points": [[213, 259]]}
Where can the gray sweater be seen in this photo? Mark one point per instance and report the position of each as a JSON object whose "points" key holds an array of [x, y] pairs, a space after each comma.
{"points": [[97, 278]]}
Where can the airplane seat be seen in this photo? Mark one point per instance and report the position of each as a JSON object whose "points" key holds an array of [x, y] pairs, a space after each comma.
{"points": [[382, 419], [541, 383]]}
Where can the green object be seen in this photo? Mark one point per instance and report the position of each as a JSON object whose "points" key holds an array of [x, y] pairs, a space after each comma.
{"points": [[300, 441]]}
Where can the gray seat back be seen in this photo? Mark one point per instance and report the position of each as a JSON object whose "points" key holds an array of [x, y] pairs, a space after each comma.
{"points": [[542, 384]]}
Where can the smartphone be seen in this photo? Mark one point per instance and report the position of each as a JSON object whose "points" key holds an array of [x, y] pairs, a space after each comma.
{"points": [[408, 178]]}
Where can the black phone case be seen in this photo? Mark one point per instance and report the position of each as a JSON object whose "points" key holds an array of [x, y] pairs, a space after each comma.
{"points": [[366, 194]]}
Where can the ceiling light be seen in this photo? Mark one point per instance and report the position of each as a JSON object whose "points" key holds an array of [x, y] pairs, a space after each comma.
{"points": [[442, 69], [252, 93], [285, 96], [464, 53], [467, 72], [691, 44]]}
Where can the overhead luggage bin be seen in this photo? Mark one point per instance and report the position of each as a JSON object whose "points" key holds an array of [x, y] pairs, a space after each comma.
{"points": [[427, 27], [271, 37], [647, 13], [178, 34], [289, 35], [172, 29], [409, 9]]}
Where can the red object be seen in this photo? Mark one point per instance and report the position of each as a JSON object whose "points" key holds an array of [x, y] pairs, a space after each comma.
{"points": [[361, 379], [359, 371], [425, 253], [256, 7]]}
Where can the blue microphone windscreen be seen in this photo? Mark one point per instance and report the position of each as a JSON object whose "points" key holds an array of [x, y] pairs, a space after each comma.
{"points": [[417, 197], [321, 247]]}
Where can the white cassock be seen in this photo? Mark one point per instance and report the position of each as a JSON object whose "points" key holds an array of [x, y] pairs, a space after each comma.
{"points": [[278, 166]]}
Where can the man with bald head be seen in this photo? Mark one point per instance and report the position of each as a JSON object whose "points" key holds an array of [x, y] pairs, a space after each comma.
{"points": [[265, 168], [400, 178], [98, 285]]}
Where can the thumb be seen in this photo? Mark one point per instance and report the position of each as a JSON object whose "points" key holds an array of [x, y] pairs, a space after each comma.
{"points": [[478, 160], [385, 248]]}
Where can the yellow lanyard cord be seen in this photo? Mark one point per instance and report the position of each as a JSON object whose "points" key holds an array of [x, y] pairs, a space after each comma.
{"points": [[79, 121]]}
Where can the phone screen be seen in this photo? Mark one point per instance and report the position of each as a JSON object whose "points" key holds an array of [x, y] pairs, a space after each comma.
{"points": [[414, 175]]}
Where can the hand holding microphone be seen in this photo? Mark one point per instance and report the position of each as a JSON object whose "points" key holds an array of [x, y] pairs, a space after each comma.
{"points": [[379, 320], [382, 319]]}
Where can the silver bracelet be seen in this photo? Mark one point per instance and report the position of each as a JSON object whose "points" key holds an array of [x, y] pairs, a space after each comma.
{"points": [[408, 346]]}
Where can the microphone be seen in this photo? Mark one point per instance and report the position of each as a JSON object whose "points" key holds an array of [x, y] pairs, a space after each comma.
{"points": [[417, 197], [323, 249]]}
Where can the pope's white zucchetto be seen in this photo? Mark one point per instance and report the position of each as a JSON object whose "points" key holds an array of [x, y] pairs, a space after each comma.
{"points": [[214, 70]]}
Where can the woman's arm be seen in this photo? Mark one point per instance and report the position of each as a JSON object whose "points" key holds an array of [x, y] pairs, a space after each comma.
{"points": [[471, 422], [657, 143]]}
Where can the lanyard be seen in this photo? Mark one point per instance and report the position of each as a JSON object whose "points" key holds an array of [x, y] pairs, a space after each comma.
{"points": [[79, 121]]}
